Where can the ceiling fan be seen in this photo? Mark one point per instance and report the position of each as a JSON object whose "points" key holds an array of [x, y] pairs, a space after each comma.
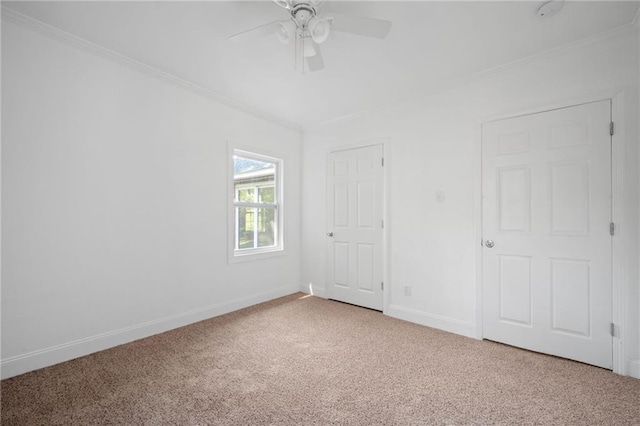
{"points": [[307, 28]]}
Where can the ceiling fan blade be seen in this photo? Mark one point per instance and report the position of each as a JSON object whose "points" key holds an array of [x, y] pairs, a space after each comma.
{"points": [[286, 4], [369, 27], [315, 62], [261, 31]]}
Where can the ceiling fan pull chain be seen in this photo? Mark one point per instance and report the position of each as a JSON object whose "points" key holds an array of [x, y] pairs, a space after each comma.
{"points": [[303, 46], [296, 49]]}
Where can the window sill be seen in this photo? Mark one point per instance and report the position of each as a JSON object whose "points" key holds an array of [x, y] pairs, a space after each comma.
{"points": [[258, 254]]}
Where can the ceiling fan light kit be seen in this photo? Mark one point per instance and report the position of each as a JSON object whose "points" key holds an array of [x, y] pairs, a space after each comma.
{"points": [[286, 31], [309, 30], [319, 29]]}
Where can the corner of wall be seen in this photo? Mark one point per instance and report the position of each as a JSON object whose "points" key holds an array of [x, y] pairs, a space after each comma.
{"points": [[314, 290], [443, 323], [633, 368]]}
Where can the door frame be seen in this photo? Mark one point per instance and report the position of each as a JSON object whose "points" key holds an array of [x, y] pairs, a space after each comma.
{"points": [[619, 284], [385, 212]]}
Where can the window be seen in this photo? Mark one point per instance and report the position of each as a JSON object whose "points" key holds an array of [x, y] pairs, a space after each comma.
{"points": [[256, 203]]}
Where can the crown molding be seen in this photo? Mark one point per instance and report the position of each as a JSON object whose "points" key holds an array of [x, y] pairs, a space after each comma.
{"points": [[10, 15], [587, 41], [408, 98]]}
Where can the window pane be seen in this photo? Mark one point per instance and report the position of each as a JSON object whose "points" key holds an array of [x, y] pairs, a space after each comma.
{"points": [[246, 195], [249, 175], [245, 236], [266, 227], [266, 194]]}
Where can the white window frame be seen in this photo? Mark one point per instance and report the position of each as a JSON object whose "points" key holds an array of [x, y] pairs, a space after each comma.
{"points": [[238, 255]]}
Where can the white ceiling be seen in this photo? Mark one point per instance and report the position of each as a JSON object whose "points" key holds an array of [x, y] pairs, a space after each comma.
{"points": [[430, 44]]}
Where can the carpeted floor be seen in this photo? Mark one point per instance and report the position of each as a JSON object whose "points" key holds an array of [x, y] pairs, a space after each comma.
{"points": [[307, 361]]}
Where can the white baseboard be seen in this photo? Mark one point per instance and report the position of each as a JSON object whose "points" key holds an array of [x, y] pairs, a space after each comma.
{"points": [[633, 368], [432, 320], [41, 358], [314, 290]]}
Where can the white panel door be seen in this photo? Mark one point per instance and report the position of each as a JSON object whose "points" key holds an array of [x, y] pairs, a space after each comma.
{"points": [[546, 212], [354, 228]]}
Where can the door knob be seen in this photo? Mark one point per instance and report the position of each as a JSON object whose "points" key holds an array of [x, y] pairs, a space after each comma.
{"points": [[329, 234], [489, 243]]}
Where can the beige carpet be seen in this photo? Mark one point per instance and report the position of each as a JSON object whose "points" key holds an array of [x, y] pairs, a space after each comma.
{"points": [[307, 361]]}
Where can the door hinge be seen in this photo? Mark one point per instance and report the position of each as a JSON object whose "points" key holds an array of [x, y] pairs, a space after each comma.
{"points": [[613, 330], [382, 223], [611, 128], [382, 161], [382, 285], [612, 228]]}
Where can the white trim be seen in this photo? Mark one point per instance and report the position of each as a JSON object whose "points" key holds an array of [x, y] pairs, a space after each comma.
{"points": [[357, 145], [477, 243], [281, 160], [483, 75], [633, 369], [552, 105], [386, 217], [440, 322], [636, 19], [568, 47], [619, 284], [34, 360], [314, 290], [56, 33], [619, 287]]}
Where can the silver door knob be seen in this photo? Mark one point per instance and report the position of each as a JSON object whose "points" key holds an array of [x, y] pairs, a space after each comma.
{"points": [[329, 234], [489, 243]]}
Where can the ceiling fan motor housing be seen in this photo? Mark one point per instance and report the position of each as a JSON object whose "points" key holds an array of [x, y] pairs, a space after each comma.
{"points": [[308, 29], [305, 16], [302, 13]]}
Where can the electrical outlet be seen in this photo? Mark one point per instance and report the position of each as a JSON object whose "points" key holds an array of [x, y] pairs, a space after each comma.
{"points": [[407, 290]]}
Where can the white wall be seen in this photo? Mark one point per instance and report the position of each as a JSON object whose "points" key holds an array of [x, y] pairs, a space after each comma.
{"points": [[114, 187], [434, 145]]}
